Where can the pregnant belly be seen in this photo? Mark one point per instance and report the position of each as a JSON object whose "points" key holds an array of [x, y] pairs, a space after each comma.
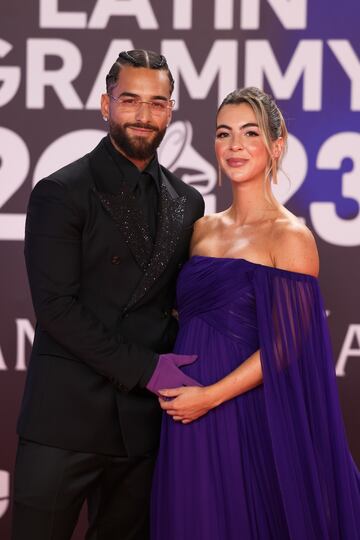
{"points": [[218, 353]]}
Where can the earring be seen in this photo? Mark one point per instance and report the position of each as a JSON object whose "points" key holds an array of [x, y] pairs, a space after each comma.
{"points": [[105, 118], [219, 176], [274, 171]]}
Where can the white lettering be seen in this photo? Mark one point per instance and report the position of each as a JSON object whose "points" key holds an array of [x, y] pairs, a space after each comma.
{"points": [[221, 62], [14, 168], [350, 63], [347, 350], [51, 17], [24, 332], [291, 13], [10, 76], [38, 78], [250, 14], [328, 225], [182, 16], [141, 9], [224, 14], [261, 62]]}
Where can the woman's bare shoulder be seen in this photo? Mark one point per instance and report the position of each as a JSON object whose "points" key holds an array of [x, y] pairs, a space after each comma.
{"points": [[293, 245], [204, 229], [207, 223]]}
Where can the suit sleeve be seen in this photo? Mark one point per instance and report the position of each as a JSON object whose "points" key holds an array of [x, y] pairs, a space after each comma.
{"points": [[53, 258]]}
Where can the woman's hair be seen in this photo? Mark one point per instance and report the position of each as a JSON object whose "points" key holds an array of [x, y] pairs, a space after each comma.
{"points": [[137, 58], [268, 116]]}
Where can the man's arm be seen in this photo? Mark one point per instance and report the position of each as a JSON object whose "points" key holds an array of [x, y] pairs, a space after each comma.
{"points": [[53, 253]]}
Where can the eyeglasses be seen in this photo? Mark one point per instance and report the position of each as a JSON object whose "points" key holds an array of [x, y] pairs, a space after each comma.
{"points": [[133, 104]]}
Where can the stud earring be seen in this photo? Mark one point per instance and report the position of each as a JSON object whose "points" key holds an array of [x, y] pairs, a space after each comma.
{"points": [[105, 118]]}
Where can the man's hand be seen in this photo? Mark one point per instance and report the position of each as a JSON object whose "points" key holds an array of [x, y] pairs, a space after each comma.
{"points": [[168, 374]]}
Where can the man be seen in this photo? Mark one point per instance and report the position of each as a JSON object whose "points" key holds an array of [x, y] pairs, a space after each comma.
{"points": [[105, 239]]}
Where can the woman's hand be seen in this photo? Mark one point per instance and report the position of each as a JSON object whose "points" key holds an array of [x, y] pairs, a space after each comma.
{"points": [[187, 403]]}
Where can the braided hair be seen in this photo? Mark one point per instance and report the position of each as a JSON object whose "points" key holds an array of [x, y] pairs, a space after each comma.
{"points": [[138, 58]]}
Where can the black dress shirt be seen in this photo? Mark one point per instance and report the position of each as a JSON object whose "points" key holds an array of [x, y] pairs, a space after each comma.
{"points": [[144, 184], [146, 187]]}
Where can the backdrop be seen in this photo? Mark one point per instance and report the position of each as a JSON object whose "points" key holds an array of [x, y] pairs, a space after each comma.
{"points": [[54, 55]]}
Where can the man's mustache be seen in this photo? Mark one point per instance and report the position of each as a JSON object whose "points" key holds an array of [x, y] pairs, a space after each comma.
{"points": [[143, 126]]}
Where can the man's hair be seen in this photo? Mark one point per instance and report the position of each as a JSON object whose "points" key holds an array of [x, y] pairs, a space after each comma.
{"points": [[138, 58]]}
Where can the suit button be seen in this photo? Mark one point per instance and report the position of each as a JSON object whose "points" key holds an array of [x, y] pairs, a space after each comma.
{"points": [[165, 314], [115, 259]]}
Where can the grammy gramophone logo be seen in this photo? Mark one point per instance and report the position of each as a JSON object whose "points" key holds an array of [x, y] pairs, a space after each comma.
{"points": [[4, 492], [178, 154]]}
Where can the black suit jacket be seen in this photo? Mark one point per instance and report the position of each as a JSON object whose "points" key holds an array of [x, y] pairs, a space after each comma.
{"points": [[102, 294]]}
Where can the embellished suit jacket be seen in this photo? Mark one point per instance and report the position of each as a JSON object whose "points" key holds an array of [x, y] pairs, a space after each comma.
{"points": [[102, 291]]}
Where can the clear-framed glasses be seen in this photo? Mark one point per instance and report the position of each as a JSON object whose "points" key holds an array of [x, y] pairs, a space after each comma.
{"points": [[132, 104]]}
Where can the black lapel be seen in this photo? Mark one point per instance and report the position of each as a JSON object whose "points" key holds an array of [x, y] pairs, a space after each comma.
{"points": [[171, 216], [120, 204], [129, 219]]}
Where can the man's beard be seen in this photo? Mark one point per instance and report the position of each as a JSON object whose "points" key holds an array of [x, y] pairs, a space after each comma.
{"points": [[136, 147]]}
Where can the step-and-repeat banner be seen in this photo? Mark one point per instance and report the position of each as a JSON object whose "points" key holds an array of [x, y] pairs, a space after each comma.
{"points": [[54, 55]]}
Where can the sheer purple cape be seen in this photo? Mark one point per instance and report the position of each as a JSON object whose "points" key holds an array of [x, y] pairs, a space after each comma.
{"points": [[274, 462], [319, 482]]}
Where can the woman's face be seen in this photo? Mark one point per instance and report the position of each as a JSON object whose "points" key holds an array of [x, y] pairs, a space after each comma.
{"points": [[239, 145]]}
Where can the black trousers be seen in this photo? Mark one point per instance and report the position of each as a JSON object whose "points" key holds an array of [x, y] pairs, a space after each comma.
{"points": [[51, 485]]}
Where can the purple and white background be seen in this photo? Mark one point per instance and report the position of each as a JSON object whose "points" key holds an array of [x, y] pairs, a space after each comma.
{"points": [[54, 55]]}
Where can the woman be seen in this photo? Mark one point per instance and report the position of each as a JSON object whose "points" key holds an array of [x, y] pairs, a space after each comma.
{"points": [[259, 450]]}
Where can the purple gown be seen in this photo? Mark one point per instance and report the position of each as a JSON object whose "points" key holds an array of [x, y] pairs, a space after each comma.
{"points": [[273, 463]]}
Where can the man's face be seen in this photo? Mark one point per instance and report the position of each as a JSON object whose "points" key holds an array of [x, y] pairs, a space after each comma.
{"points": [[138, 131]]}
